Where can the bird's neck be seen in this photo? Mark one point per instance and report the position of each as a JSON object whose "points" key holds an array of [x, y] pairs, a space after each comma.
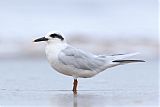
{"points": [[52, 51], [56, 45], [55, 48]]}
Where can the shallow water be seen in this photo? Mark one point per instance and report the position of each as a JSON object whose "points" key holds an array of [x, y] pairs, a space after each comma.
{"points": [[26, 82]]}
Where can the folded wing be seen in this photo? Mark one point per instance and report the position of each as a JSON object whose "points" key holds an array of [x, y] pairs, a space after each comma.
{"points": [[80, 59]]}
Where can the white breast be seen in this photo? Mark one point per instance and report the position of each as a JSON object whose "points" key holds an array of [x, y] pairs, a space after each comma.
{"points": [[52, 51]]}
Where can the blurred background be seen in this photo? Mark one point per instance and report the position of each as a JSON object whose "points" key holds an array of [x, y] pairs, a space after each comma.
{"points": [[98, 26], [104, 25]]}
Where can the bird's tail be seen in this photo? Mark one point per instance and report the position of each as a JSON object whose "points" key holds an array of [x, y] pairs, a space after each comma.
{"points": [[121, 58]]}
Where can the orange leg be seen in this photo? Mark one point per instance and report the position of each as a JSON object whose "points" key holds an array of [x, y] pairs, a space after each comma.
{"points": [[75, 83]]}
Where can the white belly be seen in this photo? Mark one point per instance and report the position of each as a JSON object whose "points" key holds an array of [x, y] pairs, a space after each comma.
{"points": [[61, 68], [71, 70]]}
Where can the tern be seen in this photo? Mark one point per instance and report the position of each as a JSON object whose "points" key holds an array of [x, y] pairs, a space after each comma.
{"points": [[77, 63]]}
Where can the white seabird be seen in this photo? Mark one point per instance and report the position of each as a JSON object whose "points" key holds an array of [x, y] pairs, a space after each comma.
{"points": [[77, 63]]}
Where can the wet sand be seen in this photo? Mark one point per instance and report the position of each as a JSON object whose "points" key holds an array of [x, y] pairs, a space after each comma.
{"points": [[85, 98]]}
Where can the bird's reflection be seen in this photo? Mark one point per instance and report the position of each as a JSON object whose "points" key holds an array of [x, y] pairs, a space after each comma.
{"points": [[79, 100], [75, 100]]}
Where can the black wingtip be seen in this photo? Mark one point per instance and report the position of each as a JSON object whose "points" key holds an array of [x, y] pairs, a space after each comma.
{"points": [[128, 61]]}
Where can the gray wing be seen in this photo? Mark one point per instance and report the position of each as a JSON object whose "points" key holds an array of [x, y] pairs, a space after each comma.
{"points": [[80, 59]]}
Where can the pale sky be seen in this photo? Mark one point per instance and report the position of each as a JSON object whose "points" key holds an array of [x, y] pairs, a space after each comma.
{"points": [[27, 18]]}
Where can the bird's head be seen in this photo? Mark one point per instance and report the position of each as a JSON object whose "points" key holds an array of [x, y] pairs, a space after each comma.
{"points": [[51, 37]]}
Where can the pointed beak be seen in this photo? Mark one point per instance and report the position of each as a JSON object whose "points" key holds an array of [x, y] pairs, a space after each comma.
{"points": [[41, 39]]}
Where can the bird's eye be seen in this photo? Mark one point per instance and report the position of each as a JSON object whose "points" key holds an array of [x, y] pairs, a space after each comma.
{"points": [[54, 35]]}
